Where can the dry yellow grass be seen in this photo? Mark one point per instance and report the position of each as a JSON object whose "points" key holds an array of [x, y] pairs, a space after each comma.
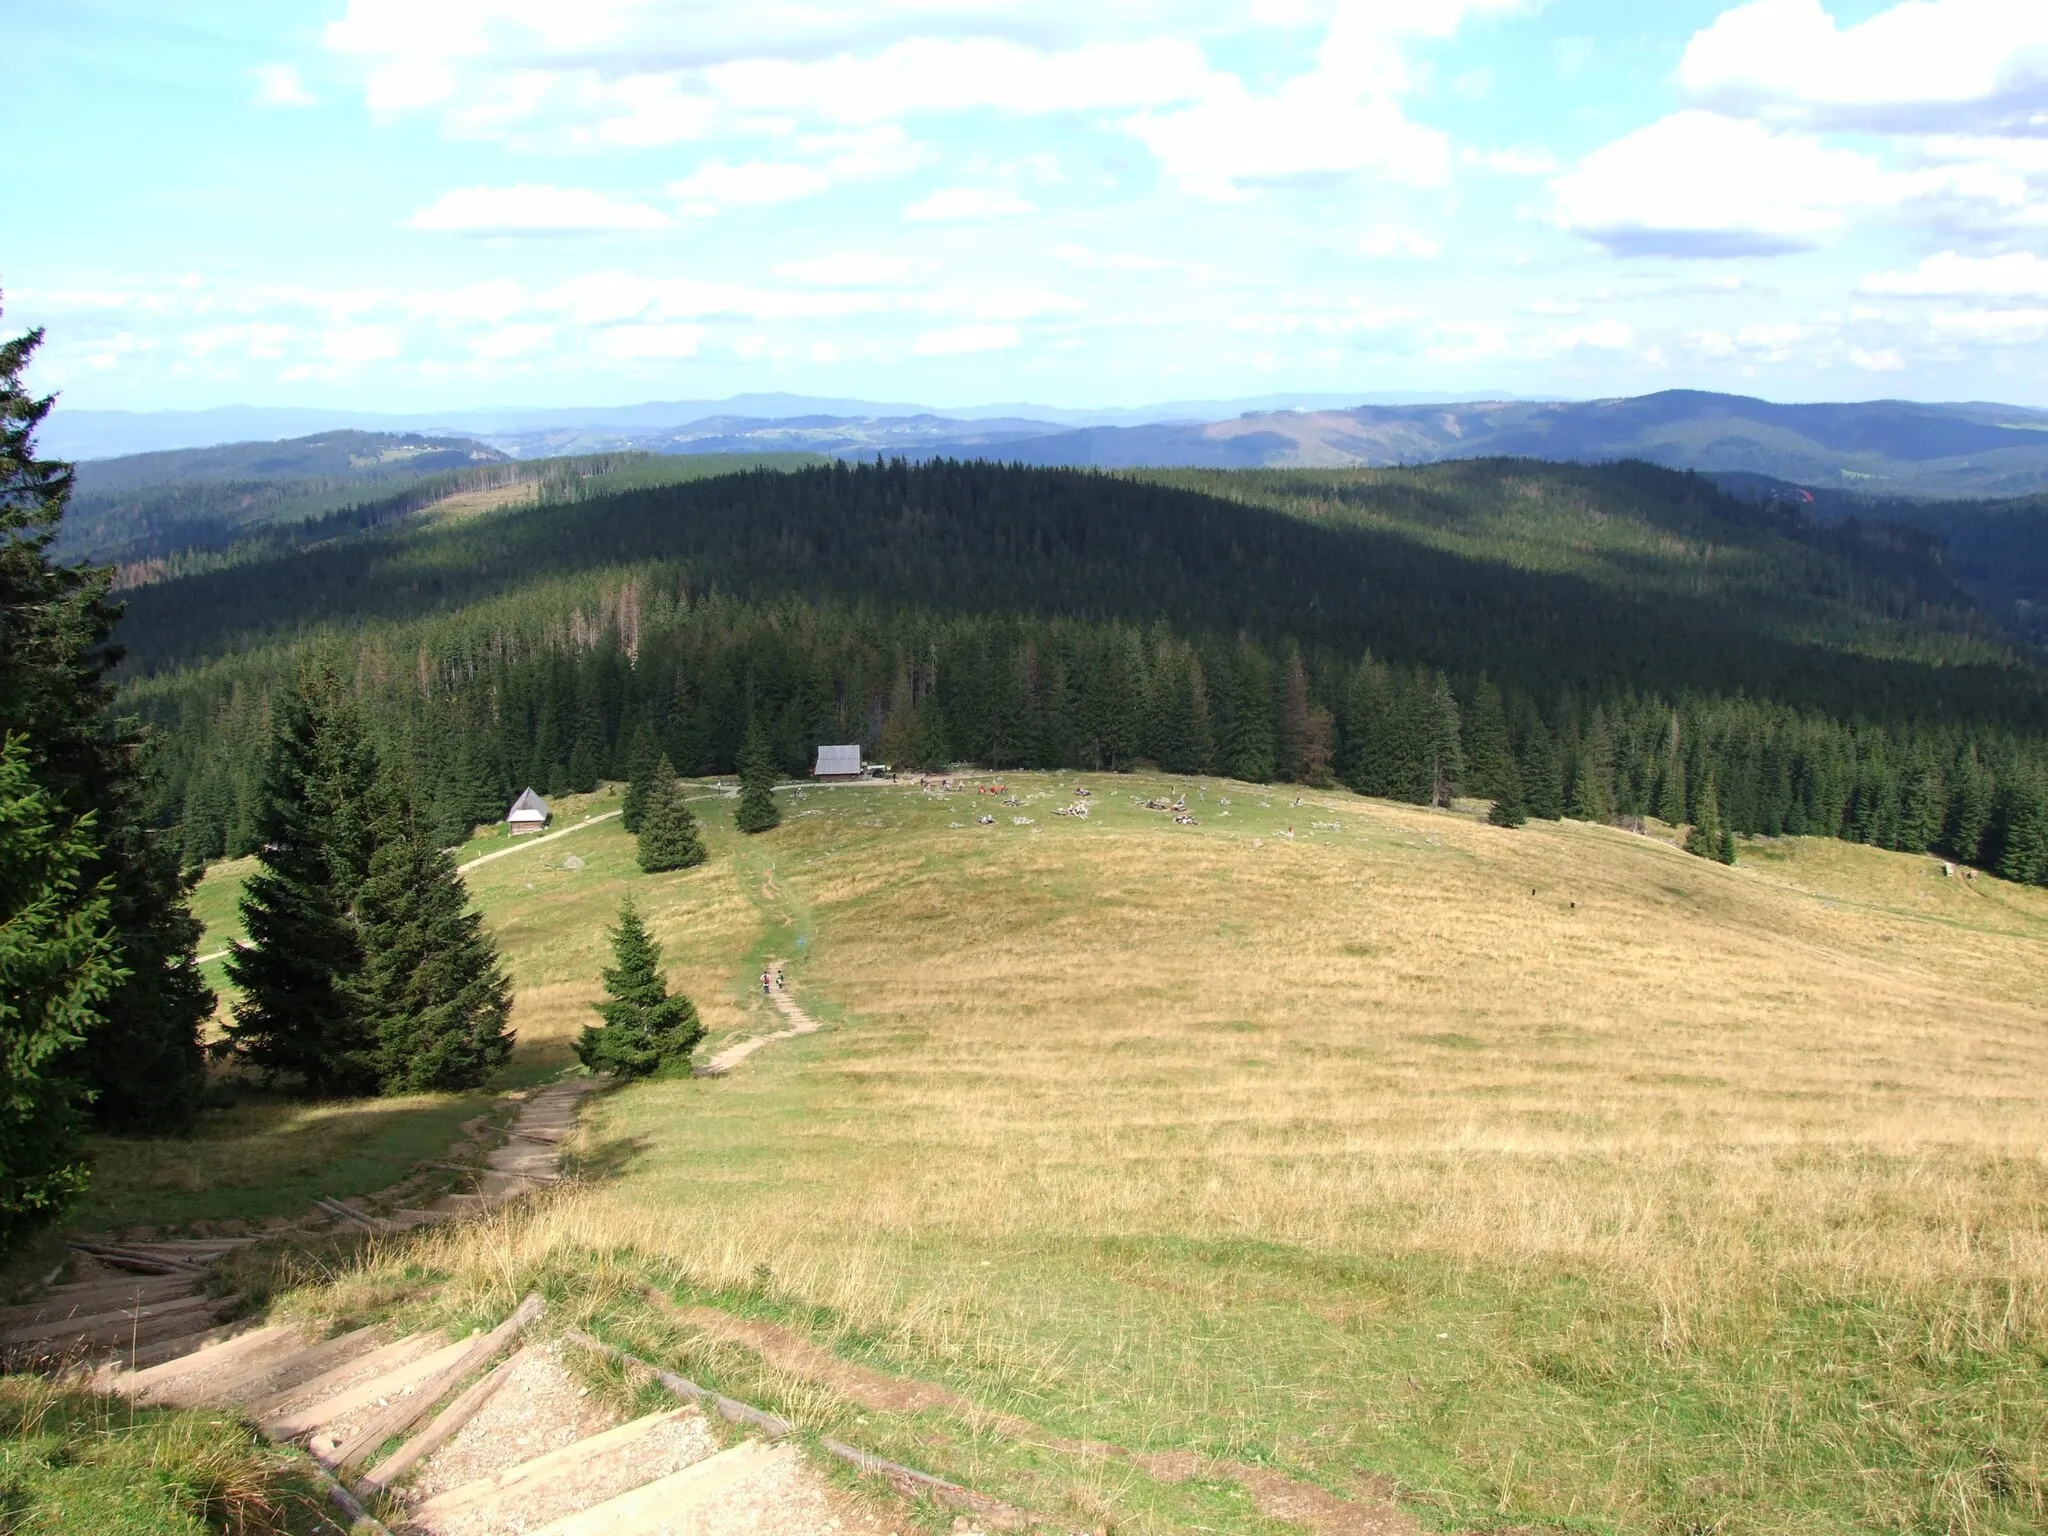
{"points": [[1210, 1136]]}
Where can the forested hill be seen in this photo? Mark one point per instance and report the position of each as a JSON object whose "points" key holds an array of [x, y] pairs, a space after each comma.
{"points": [[1542, 575], [1658, 645]]}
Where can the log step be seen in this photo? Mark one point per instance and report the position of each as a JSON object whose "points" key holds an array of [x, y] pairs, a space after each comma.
{"points": [[297, 1423], [654, 1506], [511, 1483]]}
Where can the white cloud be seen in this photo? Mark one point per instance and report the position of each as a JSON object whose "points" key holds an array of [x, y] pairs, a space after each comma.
{"points": [[961, 340], [958, 204], [1883, 360], [1994, 327], [649, 343], [1700, 184], [1312, 128], [2013, 275], [1512, 162], [511, 341], [407, 84], [846, 269], [1910, 67], [279, 85], [1390, 241], [716, 187], [960, 75], [535, 210]]}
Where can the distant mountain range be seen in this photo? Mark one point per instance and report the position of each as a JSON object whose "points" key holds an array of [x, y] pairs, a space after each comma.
{"points": [[73, 434], [1881, 448]]}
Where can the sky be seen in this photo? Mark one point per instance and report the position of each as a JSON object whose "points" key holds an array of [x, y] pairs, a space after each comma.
{"points": [[406, 205]]}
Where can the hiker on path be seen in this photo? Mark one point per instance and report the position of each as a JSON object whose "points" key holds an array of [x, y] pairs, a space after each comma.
{"points": [[764, 983]]}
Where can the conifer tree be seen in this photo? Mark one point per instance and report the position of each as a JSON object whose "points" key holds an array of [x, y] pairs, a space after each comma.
{"points": [[1542, 773], [1509, 808], [757, 810], [1367, 769], [1708, 839], [1489, 756], [300, 1017], [57, 965], [640, 766], [2024, 854], [142, 1060], [1443, 738], [1294, 722], [645, 1029], [669, 838], [899, 727], [431, 991], [1970, 808]]}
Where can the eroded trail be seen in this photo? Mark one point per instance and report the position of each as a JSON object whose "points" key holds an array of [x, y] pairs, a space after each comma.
{"points": [[800, 1023], [143, 1302]]}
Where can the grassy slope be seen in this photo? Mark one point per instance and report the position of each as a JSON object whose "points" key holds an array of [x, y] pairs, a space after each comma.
{"points": [[74, 1462], [1560, 1176]]}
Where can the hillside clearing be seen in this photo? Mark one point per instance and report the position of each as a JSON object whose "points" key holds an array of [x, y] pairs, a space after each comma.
{"points": [[1554, 1173]]}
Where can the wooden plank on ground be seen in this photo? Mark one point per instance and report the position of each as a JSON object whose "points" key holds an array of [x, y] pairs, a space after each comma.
{"points": [[486, 1491], [436, 1434], [386, 1357], [297, 1423], [344, 1351], [401, 1416], [100, 1322], [654, 1506], [204, 1359]]}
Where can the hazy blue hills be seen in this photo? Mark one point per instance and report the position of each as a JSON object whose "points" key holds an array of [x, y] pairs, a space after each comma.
{"points": [[1878, 447]]}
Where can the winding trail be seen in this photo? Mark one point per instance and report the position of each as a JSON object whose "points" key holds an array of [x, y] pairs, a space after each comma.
{"points": [[144, 1301], [534, 842], [800, 1023]]}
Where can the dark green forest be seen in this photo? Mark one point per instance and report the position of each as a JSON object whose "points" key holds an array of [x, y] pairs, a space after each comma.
{"points": [[208, 521], [1602, 641]]}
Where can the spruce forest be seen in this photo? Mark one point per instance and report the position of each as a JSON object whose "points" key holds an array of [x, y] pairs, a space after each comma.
{"points": [[1601, 642]]}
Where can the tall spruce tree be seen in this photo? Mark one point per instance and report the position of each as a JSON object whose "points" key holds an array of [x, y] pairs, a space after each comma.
{"points": [[645, 1028], [1542, 772], [669, 837], [1707, 838], [2023, 853], [300, 1018], [431, 990], [1509, 809], [641, 758], [57, 965], [1443, 738], [141, 1062], [757, 810], [1489, 756]]}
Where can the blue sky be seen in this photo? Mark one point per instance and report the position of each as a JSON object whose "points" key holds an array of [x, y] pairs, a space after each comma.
{"points": [[433, 204]]}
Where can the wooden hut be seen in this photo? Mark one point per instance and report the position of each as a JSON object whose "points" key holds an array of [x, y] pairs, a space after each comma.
{"points": [[838, 763], [529, 813]]}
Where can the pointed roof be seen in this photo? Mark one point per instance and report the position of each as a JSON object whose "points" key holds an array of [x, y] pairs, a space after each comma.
{"points": [[839, 760], [528, 802]]}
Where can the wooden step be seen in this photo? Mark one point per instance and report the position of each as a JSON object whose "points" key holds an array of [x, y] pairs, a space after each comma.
{"points": [[654, 1506], [85, 1300], [273, 1336], [513, 1481], [269, 1379], [171, 1349], [297, 1423], [99, 1322], [444, 1426], [375, 1362]]}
